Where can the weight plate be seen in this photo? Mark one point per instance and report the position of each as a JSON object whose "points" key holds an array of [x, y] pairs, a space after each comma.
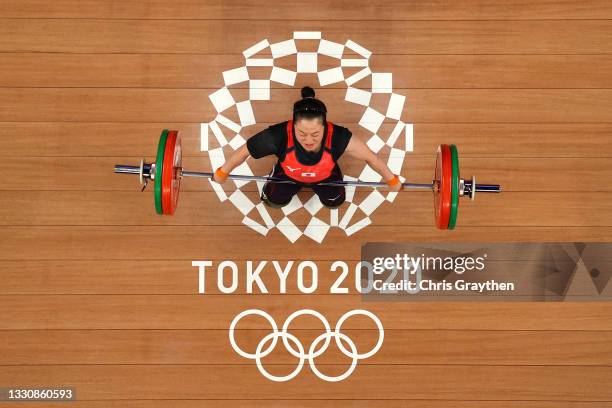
{"points": [[436, 186], [452, 221], [443, 186], [171, 181], [159, 165]]}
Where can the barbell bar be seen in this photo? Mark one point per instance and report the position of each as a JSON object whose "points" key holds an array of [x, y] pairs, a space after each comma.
{"points": [[148, 171], [446, 186]]}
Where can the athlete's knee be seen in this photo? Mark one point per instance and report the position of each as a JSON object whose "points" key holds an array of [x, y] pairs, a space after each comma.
{"points": [[273, 204], [333, 202], [332, 206], [273, 201]]}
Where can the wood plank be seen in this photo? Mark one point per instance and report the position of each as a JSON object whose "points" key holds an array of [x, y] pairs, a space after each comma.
{"points": [[324, 404], [514, 174], [68, 139], [217, 311], [318, 10], [381, 37], [350, 403], [138, 277], [193, 243], [166, 277], [193, 105], [368, 381], [536, 354], [205, 71], [478, 347], [171, 277], [204, 208]]}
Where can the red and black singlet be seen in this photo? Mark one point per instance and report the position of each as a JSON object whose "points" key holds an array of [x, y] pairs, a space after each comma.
{"points": [[305, 173]]}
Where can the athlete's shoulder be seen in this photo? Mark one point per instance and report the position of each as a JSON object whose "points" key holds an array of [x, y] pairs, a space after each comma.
{"points": [[341, 138], [278, 132], [340, 128], [342, 131], [279, 127], [270, 140]]}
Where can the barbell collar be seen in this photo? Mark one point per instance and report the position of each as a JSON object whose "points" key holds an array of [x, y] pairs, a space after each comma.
{"points": [[471, 188]]}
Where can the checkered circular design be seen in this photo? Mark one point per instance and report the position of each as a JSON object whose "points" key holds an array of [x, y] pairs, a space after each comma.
{"points": [[224, 134]]}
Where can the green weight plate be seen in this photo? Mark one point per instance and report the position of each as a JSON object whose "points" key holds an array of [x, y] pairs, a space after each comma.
{"points": [[455, 188], [159, 167]]}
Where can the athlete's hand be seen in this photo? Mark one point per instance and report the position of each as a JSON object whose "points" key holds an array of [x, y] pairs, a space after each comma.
{"points": [[220, 176], [395, 184]]}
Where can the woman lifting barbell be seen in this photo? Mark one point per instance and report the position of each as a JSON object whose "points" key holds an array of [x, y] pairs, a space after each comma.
{"points": [[308, 148]]}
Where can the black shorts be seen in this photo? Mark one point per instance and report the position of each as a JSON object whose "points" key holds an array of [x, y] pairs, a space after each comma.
{"points": [[280, 194]]}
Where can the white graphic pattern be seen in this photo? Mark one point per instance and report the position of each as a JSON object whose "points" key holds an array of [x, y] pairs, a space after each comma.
{"points": [[288, 339], [224, 132]]}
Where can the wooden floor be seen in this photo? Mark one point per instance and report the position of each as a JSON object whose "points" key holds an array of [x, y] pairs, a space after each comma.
{"points": [[98, 293]]}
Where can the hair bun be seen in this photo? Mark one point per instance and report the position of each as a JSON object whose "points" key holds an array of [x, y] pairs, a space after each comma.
{"points": [[308, 92]]}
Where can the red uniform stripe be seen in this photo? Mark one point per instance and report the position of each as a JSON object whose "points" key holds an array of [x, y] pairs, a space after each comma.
{"points": [[290, 134], [330, 131]]}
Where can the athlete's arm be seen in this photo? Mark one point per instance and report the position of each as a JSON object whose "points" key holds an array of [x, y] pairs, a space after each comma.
{"points": [[262, 144], [358, 149], [235, 160]]}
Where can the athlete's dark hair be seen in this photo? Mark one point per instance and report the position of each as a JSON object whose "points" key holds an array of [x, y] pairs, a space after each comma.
{"points": [[309, 107]]}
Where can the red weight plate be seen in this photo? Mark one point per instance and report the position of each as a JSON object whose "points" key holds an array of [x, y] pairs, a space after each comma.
{"points": [[178, 168], [443, 192], [171, 177]]}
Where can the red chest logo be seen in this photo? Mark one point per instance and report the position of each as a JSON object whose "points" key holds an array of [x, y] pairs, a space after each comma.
{"points": [[301, 172]]}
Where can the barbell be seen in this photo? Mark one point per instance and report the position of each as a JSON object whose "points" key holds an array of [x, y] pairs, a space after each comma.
{"points": [[166, 174]]}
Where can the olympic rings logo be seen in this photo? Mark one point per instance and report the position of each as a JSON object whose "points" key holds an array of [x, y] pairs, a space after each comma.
{"points": [[293, 345]]}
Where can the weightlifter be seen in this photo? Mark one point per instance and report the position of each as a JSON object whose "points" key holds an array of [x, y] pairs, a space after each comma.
{"points": [[308, 148]]}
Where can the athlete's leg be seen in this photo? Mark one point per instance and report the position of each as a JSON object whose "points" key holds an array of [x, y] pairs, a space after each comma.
{"points": [[277, 195], [331, 196]]}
